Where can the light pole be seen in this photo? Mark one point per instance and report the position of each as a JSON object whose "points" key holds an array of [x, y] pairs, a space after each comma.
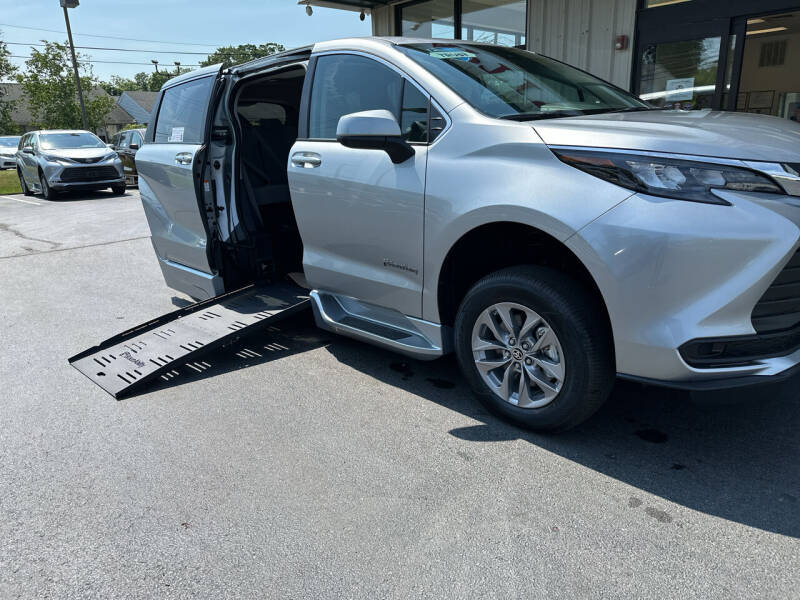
{"points": [[65, 4], [155, 63], [177, 68]]}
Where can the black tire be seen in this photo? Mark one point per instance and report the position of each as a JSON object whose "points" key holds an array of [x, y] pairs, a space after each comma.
{"points": [[25, 189], [581, 328], [47, 191], [118, 190]]}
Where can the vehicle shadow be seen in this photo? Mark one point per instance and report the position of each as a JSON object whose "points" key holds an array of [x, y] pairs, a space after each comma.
{"points": [[82, 196], [737, 461]]}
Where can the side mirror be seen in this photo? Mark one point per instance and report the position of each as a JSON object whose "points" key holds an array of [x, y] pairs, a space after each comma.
{"points": [[374, 130], [134, 146], [27, 149]]}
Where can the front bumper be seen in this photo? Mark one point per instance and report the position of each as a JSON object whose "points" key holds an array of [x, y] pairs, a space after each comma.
{"points": [[98, 175], [674, 272]]}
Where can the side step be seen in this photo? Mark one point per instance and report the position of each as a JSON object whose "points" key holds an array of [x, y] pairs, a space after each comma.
{"points": [[384, 327], [123, 364]]}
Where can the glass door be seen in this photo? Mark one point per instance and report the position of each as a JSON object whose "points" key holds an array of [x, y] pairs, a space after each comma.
{"points": [[684, 67]]}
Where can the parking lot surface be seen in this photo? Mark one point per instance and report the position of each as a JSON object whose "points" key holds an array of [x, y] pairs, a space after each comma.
{"points": [[316, 466]]}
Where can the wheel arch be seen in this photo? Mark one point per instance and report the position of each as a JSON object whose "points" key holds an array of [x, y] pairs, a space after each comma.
{"points": [[509, 244]]}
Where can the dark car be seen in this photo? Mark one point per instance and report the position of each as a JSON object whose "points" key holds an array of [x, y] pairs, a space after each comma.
{"points": [[126, 143]]}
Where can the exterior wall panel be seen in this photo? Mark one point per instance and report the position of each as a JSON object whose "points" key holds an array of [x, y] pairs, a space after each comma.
{"points": [[582, 33], [383, 20]]}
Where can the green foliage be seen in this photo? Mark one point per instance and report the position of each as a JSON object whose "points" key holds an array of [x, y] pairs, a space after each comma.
{"points": [[118, 84], [7, 69], [234, 55], [49, 85]]}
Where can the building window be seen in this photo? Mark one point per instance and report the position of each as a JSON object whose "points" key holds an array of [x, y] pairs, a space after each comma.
{"points": [[501, 22], [430, 19], [494, 21], [773, 54]]}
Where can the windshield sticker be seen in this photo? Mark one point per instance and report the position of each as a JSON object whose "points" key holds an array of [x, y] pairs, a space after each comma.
{"points": [[451, 53], [176, 135]]}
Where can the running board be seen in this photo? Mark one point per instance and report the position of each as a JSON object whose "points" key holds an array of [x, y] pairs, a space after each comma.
{"points": [[123, 364], [376, 325]]}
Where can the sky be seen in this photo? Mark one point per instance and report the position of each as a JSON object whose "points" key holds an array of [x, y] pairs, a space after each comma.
{"points": [[169, 26]]}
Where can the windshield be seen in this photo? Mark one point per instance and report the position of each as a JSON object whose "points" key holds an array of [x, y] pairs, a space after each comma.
{"points": [[62, 141], [516, 84], [9, 142]]}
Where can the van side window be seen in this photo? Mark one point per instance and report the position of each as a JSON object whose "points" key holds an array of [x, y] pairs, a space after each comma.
{"points": [[136, 138], [182, 113], [414, 115], [346, 83]]}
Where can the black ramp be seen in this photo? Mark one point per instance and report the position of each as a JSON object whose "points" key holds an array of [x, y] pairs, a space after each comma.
{"points": [[124, 363]]}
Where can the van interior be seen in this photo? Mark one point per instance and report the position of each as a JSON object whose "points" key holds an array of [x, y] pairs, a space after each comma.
{"points": [[266, 243]]}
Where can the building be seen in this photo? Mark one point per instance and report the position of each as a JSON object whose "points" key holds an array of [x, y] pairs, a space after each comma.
{"points": [[138, 105], [724, 54]]}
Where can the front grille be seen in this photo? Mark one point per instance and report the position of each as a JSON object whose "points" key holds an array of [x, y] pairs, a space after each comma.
{"points": [[88, 161], [779, 307], [89, 173]]}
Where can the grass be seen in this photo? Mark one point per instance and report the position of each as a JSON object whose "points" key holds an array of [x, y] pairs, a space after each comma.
{"points": [[9, 183]]}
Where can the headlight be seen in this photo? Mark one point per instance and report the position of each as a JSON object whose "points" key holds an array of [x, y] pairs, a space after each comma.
{"points": [[110, 156], [51, 158], [671, 178]]}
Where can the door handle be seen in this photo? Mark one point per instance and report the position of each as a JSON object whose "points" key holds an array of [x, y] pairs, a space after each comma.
{"points": [[306, 160], [183, 158]]}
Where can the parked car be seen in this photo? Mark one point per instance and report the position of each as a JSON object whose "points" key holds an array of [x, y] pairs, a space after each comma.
{"points": [[53, 161], [550, 228], [126, 144], [8, 150]]}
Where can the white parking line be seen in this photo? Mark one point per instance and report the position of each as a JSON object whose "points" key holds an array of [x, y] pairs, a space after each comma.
{"points": [[21, 200]]}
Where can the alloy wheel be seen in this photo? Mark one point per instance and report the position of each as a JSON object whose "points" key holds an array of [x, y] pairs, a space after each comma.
{"points": [[518, 355]]}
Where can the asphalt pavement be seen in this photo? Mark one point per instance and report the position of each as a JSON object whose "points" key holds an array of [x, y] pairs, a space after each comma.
{"points": [[312, 466]]}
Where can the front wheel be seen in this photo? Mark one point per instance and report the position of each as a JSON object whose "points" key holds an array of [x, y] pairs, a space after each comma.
{"points": [[47, 191], [535, 348], [118, 190]]}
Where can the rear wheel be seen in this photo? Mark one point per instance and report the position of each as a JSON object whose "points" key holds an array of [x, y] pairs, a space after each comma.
{"points": [[47, 191], [25, 189], [535, 348]]}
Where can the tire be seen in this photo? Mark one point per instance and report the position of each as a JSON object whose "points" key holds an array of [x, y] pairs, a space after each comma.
{"points": [[566, 378], [118, 190], [25, 189], [47, 191]]}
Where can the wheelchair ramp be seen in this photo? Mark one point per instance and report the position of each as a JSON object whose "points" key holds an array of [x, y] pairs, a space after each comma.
{"points": [[125, 363]]}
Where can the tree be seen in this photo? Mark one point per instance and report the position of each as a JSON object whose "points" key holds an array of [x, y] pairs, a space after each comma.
{"points": [[6, 106], [49, 85], [118, 84], [234, 55]]}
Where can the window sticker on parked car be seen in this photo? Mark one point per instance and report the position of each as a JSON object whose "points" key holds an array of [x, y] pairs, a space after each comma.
{"points": [[451, 53], [176, 135]]}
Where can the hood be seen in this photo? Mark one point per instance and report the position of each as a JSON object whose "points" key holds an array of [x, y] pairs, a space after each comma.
{"points": [[79, 153], [702, 133]]}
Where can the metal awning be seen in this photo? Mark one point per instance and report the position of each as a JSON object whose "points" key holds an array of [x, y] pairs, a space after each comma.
{"points": [[348, 4]]}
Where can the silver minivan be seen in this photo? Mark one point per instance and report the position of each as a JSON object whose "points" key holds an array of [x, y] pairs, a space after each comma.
{"points": [[548, 227], [61, 160]]}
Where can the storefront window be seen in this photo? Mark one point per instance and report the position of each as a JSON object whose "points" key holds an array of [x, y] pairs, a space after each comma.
{"points": [[500, 22], [770, 78], [430, 19], [494, 21]]}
